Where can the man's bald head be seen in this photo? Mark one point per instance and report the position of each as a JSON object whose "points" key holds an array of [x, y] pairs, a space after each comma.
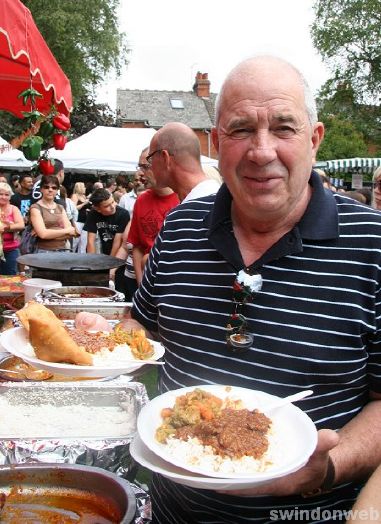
{"points": [[179, 140], [253, 70]]}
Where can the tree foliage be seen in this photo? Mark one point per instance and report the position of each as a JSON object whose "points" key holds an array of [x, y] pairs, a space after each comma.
{"points": [[341, 140], [365, 118], [84, 38], [347, 35], [88, 114]]}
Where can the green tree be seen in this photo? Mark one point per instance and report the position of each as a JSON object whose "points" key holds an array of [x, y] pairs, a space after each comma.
{"points": [[340, 101], [341, 140], [347, 35], [84, 38], [88, 114]]}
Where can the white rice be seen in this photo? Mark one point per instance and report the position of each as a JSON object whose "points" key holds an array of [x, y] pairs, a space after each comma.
{"points": [[121, 354], [193, 453], [49, 419]]}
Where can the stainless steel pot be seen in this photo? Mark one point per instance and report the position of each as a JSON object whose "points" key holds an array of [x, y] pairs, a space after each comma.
{"points": [[103, 491], [73, 294]]}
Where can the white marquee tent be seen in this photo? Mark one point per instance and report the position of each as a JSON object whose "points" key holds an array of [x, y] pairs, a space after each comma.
{"points": [[12, 158], [108, 150], [102, 150]]}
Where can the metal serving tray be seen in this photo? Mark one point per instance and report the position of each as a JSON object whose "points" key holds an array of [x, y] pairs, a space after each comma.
{"points": [[108, 310], [69, 410]]}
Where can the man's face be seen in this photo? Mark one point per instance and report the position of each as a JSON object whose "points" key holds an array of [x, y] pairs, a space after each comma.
{"points": [[144, 173], [107, 207], [27, 183], [158, 165], [265, 143]]}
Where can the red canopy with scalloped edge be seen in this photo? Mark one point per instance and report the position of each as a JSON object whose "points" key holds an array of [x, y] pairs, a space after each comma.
{"points": [[26, 61]]}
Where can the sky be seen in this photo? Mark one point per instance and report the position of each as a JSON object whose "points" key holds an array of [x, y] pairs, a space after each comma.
{"points": [[171, 40]]}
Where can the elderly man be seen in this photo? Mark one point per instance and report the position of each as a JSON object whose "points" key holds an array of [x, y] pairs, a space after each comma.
{"points": [[312, 320], [175, 158]]}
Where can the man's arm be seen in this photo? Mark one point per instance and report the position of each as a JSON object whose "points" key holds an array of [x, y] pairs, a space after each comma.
{"points": [[116, 243], [137, 257], [367, 508]]}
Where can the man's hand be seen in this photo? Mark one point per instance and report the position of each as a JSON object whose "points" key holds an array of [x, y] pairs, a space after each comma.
{"points": [[310, 477]]}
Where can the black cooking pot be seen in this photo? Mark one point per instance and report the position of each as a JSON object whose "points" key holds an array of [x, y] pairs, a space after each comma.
{"points": [[72, 269]]}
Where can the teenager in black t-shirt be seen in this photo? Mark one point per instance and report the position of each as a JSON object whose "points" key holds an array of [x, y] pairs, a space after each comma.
{"points": [[108, 220]]}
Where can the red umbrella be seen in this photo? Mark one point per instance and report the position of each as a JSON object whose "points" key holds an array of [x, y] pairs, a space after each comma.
{"points": [[26, 61]]}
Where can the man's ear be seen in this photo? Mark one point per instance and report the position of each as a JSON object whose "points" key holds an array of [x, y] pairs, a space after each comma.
{"points": [[215, 139], [317, 138]]}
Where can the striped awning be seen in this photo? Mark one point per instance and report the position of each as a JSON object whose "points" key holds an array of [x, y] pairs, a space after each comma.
{"points": [[352, 165]]}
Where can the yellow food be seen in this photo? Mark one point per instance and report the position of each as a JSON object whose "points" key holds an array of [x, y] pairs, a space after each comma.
{"points": [[52, 343], [141, 348], [189, 409]]}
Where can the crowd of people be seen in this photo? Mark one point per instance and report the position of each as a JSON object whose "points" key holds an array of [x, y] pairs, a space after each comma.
{"points": [[314, 321]]}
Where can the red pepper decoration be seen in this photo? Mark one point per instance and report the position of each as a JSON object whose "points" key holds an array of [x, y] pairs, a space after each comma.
{"points": [[46, 166], [59, 141], [62, 122]]}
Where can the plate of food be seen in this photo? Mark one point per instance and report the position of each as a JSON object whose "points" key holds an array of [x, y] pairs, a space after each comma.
{"points": [[146, 458], [225, 432], [46, 343]]}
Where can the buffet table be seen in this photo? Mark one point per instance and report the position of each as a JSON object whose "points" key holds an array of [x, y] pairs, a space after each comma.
{"points": [[105, 448]]}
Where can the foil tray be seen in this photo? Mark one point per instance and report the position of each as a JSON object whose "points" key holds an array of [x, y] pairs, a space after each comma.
{"points": [[108, 310], [106, 449]]}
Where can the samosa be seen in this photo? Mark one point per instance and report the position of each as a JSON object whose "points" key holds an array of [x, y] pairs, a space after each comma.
{"points": [[52, 343], [34, 310]]}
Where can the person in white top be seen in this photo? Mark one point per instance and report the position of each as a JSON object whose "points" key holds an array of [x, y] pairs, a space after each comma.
{"points": [[175, 158], [128, 200]]}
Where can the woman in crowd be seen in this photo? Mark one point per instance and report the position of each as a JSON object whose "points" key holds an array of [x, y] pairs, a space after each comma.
{"points": [[376, 194], [82, 203], [11, 221], [49, 219]]}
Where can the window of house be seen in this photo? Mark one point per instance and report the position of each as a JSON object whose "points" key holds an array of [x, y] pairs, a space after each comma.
{"points": [[176, 103]]}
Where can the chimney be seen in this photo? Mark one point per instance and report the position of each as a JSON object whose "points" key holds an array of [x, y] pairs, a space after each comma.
{"points": [[202, 85]]}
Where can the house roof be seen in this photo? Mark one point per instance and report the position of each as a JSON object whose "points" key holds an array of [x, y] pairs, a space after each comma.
{"points": [[154, 108]]}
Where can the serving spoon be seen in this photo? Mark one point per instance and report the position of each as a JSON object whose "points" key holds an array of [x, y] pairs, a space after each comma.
{"points": [[288, 400], [33, 375]]}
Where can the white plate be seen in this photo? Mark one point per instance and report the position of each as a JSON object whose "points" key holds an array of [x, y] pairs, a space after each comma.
{"points": [[16, 341], [149, 460], [293, 438]]}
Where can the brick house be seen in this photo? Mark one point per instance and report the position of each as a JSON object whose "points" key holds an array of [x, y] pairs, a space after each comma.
{"points": [[145, 108]]}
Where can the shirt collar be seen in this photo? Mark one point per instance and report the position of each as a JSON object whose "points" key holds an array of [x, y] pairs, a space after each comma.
{"points": [[319, 222]]}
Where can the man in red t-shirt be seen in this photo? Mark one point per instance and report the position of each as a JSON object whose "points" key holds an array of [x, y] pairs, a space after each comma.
{"points": [[150, 210]]}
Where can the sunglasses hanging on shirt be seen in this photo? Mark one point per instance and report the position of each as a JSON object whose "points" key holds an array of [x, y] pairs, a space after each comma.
{"points": [[245, 285]]}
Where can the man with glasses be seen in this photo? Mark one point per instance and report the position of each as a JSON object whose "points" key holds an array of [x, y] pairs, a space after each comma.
{"points": [[273, 285], [128, 200], [149, 213], [176, 162], [124, 276]]}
